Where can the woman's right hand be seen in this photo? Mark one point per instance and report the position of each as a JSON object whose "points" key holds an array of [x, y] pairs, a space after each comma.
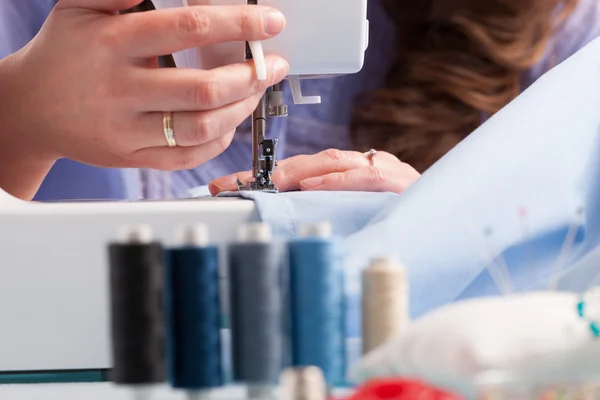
{"points": [[88, 87]]}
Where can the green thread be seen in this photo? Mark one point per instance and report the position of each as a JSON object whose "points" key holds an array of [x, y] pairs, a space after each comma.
{"points": [[581, 309], [593, 326], [52, 377], [595, 329]]}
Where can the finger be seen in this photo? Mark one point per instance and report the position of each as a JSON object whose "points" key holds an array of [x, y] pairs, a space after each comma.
{"points": [[370, 179], [292, 171], [181, 158], [180, 89], [193, 129], [99, 5], [228, 183], [168, 31]]}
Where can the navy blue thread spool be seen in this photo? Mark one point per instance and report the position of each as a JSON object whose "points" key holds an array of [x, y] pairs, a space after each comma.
{"points": [[256, 304], [137, 311], [316, 276], [194, 314]]}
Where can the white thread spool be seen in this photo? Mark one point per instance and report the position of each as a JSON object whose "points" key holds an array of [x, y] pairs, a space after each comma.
{"points": [[138, 234], [318, 230], [307, 383], [255, 232], [192, 235], [385, 310]]}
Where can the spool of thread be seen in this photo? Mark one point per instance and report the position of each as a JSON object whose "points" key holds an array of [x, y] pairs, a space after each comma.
{"points": [[193, 314], [256, 306], [136, 305], [316, 263], [306, 383], [385, 308]]}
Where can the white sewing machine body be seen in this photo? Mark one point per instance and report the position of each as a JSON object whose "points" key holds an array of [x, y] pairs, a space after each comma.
{"points": [[54, 272], [53, 261], [320, 38]]}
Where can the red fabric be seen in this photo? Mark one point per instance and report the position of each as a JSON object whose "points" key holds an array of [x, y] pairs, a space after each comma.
{"points": [[397, 389]]}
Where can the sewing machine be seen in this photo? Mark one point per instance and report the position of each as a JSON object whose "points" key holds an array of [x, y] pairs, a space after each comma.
{"points": [[53, 262], [321, 38]]}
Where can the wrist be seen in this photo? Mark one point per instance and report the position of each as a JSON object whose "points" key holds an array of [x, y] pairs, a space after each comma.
{"points": [[23, 166]]}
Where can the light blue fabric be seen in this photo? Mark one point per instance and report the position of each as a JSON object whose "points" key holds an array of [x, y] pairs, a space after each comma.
{"points": [[286, 212], [541, 152]]}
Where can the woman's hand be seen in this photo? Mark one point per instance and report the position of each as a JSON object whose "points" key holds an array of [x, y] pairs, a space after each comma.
{"points": [[88, 86], [333, 170]]}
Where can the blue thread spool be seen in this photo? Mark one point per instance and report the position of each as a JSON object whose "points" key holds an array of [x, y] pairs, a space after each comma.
{"points": [[316, 262], [194, 314], [256, 304]]}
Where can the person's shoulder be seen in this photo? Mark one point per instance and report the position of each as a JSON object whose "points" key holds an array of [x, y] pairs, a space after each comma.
{"points": [[577, 31]]}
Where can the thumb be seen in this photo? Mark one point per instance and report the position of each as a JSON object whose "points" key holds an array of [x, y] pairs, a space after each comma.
{"points": [[99, 5], [228, 183]]}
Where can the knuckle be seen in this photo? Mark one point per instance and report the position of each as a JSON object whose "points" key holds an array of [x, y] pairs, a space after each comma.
{"points": [[224, 142], [288, 169], [339, 178], [246, 23], [410, 171], [282, 173], [389, 156], [193, 24], [203, 129], [334, 155], [109, 37], [376, 175], [108, 40], [206, 94]]}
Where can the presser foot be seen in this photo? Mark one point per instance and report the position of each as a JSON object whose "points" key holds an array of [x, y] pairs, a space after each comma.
{"points": [[266, 164], [258, 185]]}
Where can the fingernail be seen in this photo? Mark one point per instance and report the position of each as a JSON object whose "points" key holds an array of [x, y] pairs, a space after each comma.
{"points": [[218, 187], [220, 184], [311, 182], [273, 22]]}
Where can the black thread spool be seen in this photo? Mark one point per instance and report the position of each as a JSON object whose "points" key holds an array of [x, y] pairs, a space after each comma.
{"points": [[136, 299], [256, 303]]}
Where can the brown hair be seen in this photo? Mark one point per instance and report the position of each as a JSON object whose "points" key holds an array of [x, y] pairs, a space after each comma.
{"points": [[457, 61]]}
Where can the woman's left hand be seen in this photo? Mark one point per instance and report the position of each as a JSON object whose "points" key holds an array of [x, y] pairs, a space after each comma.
{"points": [[333, 170]]}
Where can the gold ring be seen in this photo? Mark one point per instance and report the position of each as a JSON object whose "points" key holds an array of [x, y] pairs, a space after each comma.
{"points": [[371, 156], [168, 129]]}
